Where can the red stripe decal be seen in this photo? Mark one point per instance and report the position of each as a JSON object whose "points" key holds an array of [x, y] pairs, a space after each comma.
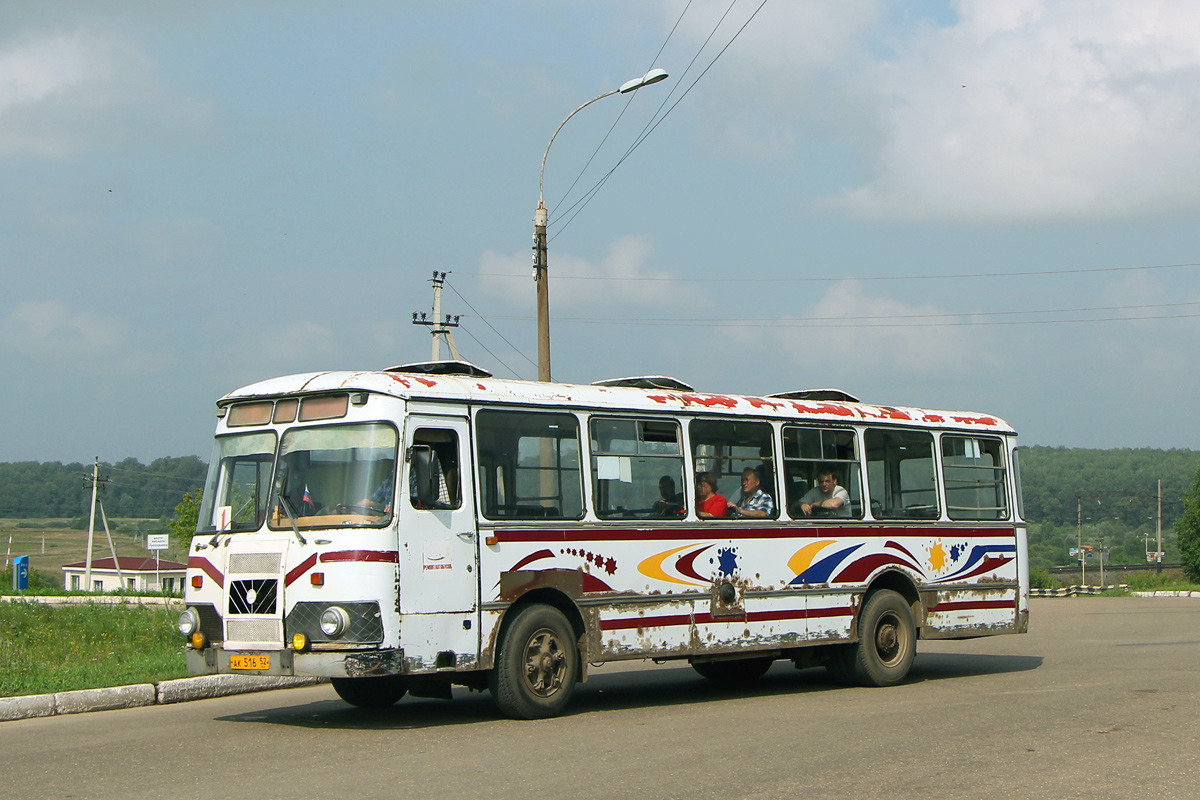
{"points": [[304, 567], [385, 556], [207, 567], [671, 620], [860, 569], [720, 532], [529, 559], [967, 605]]}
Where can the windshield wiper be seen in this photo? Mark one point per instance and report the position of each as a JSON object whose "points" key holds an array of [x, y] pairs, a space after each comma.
{"points": [[287, 509]]}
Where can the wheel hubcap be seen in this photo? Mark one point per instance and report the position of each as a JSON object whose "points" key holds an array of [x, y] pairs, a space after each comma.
{"points": [[888, 642], [545, 664]]}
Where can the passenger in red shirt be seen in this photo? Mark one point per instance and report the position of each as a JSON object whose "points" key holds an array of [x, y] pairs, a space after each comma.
{"points": [[710, 503]]}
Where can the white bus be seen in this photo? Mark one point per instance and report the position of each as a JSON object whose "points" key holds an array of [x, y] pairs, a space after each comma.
{"points": [[406, 530]]}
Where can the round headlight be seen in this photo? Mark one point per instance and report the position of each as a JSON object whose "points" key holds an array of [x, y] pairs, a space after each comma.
{"points": [[189, 621], [334, 622]]}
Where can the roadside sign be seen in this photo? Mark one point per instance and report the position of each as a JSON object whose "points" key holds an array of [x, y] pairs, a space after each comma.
{"points": [[157, 541]]}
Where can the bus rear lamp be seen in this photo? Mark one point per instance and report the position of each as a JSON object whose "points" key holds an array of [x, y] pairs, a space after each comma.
{"points": [[299, 642], [197, 581], [334, 621], [189, 621], [199, 641]]}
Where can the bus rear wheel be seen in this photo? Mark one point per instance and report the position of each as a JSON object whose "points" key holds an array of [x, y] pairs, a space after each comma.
{"points": [[537, 666], [377, 692], [887, 640], [738, 670]]}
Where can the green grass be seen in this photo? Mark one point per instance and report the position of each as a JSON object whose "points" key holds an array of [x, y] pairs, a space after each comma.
{"points": [[46, 649]]}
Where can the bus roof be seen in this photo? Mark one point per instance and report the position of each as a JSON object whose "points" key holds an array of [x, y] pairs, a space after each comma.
{"points": [[483, 391]]}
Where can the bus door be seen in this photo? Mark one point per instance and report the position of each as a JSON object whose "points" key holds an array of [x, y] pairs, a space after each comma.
{"points": [[439, 561]]}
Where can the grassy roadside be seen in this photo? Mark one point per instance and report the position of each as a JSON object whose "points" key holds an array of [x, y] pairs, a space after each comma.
{"points": [[46, 649]]}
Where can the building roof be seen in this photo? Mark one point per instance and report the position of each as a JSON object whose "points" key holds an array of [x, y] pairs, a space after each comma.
{"points": [[129, 564]]}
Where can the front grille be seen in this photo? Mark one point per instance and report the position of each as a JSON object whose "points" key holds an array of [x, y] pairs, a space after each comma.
{"points": [[210, 622], [253, 596], [254, 563], [366, 626], [253, 630]]}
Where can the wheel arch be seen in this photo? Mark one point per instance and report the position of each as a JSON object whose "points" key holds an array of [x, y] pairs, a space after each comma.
{"points": [[903, 585], [545, 596]]}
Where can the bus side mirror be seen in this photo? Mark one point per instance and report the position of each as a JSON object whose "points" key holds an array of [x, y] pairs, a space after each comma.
{"points": [[420, 463]]}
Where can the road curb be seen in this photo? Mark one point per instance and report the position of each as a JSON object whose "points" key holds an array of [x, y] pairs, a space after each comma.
{"points": [[178, 690]]}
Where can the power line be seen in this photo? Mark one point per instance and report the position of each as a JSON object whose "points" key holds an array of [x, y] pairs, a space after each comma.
{"points": [[836, 278], [489, 352], [592, 193], [483, 319]]}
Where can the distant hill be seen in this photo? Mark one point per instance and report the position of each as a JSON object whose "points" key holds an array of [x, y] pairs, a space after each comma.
{"points": [[1052, 478], [54, 489]]}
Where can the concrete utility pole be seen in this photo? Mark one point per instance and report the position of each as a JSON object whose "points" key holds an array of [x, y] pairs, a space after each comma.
{"points": [[439, 327], [541, 219], [95, 480]]}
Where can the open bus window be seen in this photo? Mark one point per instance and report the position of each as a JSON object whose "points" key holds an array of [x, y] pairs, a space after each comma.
{"points": [[238, 482], [809, 452], [529, 465], [335, 476], [433, 461], [973, 471], [722, 449], [637, 468], [901, 474]]}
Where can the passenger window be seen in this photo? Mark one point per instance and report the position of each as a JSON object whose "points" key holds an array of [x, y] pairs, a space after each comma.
{"points": [[722, 450], [973, 470], [529, 465], [822, 473], [637, 468], [901, 474]]}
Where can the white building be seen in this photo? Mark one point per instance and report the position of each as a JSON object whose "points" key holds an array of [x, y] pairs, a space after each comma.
{"points": [[136, 574]]}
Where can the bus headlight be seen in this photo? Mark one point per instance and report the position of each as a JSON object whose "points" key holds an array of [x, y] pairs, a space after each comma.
{"points": [[334, 622], [189, 621]]}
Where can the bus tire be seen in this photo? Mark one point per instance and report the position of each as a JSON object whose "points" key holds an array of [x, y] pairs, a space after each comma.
{"points": [[839, 663], [375, 692], [537, 666], [887, 640], [738, 670]]}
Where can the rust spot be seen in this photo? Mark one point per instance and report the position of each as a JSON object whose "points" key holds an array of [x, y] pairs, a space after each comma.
{"points": [[515, 583]]}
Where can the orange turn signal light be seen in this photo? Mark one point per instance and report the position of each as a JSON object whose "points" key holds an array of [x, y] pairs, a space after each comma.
{"points": [[197, 581], [198, 641], [317, 578]]}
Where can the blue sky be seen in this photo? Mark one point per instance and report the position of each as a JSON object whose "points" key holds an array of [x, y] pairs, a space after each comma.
{"points": [[975, 206]]}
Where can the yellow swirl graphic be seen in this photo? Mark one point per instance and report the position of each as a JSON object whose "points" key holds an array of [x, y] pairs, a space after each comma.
{"points": [[802, 559], [653, 566]]}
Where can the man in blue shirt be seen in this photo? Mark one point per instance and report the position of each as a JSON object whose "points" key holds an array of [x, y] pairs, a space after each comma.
{"points": [[754, 501]]}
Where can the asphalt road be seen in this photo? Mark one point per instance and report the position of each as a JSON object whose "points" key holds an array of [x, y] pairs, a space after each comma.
{"points": [[1100, 699]]}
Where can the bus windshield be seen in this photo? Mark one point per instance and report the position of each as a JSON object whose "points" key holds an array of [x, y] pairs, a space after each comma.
{"points": [[335, 475], [238, 483]]}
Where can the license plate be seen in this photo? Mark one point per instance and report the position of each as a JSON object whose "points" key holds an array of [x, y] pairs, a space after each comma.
{"points": [[250, 662]]}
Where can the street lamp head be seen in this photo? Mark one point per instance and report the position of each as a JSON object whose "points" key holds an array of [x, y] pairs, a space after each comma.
{"points": [[653, 76]]}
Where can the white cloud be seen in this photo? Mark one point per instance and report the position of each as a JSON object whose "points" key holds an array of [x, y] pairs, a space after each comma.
{"points": [[1037, 109], [61, 93], [48, 329], [849, 333], [622, 278]]}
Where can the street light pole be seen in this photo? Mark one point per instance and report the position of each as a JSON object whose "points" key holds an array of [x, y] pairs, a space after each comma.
{"points": [[541, 217]]}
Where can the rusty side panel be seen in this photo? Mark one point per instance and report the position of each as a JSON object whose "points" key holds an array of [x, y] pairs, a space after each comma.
{"points": [[517, 582], [384, 662], [967, 613]]}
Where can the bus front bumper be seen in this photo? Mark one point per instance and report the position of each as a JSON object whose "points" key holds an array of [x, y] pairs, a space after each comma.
{"points": [[214, 660]]}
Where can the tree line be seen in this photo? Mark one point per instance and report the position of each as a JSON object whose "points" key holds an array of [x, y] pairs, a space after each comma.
{"points": [[132, 489]]}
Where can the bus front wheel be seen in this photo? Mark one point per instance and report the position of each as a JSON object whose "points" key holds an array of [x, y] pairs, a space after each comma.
{"points": [[376, 692], [887, 640], [537, 666]]}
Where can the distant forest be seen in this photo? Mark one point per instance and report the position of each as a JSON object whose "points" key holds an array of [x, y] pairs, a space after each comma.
{"points": [[133, 489], [1117, 487]]}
